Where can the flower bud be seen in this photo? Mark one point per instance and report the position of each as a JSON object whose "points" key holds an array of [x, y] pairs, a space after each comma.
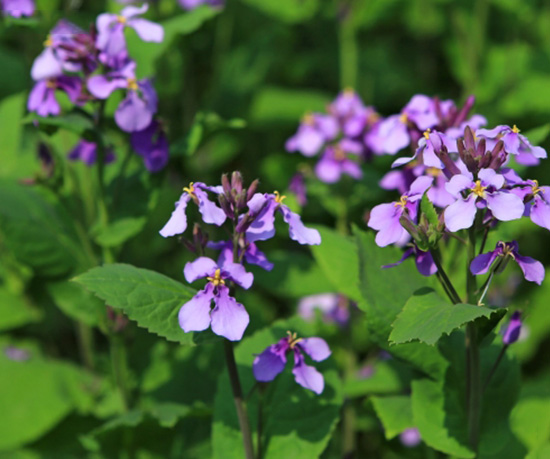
{"points": [[511, 334]]}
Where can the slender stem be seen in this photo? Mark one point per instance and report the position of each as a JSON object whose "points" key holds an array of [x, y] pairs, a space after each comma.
{"points": [[485, 288], [444, 285], [242, 415], [349, 53], [259, 429], [455, 298], [86, 345], [119, 366], [484, 240], [495, 366]]}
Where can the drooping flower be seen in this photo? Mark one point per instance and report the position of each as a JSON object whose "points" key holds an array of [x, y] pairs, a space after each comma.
{"points": [[513, 330], [385, 218], [333, 307], [197, 192], [538, 204], [424, 261], [533, 270], [272, 361], [486, 191], [228, 318], [151, 144], [262, 208], [86, 152], [18, 8], [514, 143], [42, 98], [110, 29]]}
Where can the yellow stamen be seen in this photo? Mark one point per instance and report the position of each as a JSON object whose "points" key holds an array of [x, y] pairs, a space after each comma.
{"points": [[132, 84], [50, 84], [308, 119], [217, 279], [507, 251], [121, 19], [48, 42], [293, 339], [433, 171], [427, 134], [515, 129], [349, 92], [403, 118], [402, 202], [339, 154], [278, 197], [478, 189], [190, 189], [373, 118], [535, 188]]}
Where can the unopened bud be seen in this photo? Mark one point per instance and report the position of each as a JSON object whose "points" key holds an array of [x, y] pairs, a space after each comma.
{"points": [[252, 189], [237, 181], [225, 184]]}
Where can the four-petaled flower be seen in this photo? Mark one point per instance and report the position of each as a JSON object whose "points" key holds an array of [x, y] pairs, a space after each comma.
{"points": [[228, 318], [272, 361]]}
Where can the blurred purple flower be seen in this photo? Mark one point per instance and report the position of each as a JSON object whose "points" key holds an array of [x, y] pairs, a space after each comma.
{"points": [[513, 330], [18, 8], [334, 307], [314, 131], [211, 213], [152, 145], [251, 254], [410, 437], [335, 162], [86, 152], [17, 354], [533, 270], [42, 98], [192, 4], [298, 187], [272, 361], [228, 318]]}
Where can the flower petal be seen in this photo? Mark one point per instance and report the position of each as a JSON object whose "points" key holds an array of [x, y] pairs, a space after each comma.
{"points": [[198, 269], [178, 220], [307, 376], [533, 270], [238, 274], [147, 30], [505, 206], [482, 263], [461, 214], [195, 314], [316, 348], [268, 364], [229, 318], [297, 230], [210, 212]]}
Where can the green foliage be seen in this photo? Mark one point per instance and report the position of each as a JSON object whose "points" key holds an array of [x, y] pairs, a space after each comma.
{"points": [[297, 422], [119, 231], [149, 298], [426, 317], [286, 10], [395, 413], [337, 257], [15, 310]]}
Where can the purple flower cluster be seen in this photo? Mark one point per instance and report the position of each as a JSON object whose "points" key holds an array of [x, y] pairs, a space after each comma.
{"points": [[465, 176], [17, 8], [192, 4], [252, 218], [272, 361], [89, 67]]}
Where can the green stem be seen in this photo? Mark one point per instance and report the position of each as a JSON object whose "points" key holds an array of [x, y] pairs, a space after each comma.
{"points": [[86, 345], [242, 414], [447, 284], [119, 366], [495, 366], [349, 52], [259, 429]]}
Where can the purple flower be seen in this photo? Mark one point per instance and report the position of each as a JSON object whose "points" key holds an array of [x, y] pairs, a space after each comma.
{"points": [[385, 218], [333, 307], [250, 253], [346, 104], [42, 98], [533, 270], [17, 354], [211, 213], [314, 130], [389, 135], [538, 207], [514, 143], [298, 187], [87, 152], [18, 8], [429, 146], [152, 145], [272, 361], [110, 29], [513, 330], [263, 207], [410, 437], [228, 318], [135, 112], [486, 191], [192, 4], [424, 261], [335, 162]]}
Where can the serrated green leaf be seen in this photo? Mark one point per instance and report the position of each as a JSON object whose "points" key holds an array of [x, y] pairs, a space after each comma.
{"points": [[337, 257], [428, 210], [75, 301], [150, 298], [297, 422], [395, 413], [426, 317]]}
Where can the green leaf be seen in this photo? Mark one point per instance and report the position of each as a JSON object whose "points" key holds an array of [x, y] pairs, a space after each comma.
{"points": [[395, 413], [538, 135], [289, 11], [426, 317], [75, 301], [428, 210], [387, 378], [146, 54], [297, 422], [36, 232], [75, 121], [148, 297], [337, 257], [119, 231], [15, 311], [272, 104]]}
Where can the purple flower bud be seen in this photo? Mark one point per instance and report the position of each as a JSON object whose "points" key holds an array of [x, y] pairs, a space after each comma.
{"points": [[87, 153], [410, 437], [512, 332], [152, 145]]}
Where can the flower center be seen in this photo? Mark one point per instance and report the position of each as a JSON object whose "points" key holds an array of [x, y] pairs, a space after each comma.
{"points": [[479, 189], [121, 19], [373, 117], [190, 190], [48, 42], [507, 250], [427, 134], [293, 339], [216, 279], [402, 202], [403, 118], [433, 171], [279, 198], [308, 119], [339, 154], [535, 188], [132, 84], [515, 129], [51, 84], [349, 92]]}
